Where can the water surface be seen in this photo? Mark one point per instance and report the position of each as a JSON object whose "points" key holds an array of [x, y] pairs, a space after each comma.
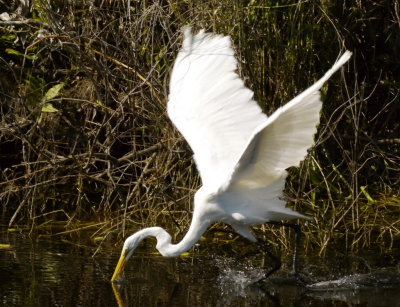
{"points": [[61, 271]]}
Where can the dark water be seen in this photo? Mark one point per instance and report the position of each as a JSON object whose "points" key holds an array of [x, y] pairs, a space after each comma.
{"points": [[55, 271]]}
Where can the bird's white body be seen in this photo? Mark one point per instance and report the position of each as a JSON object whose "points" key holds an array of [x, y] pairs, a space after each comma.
{"points": [[241, 154]]}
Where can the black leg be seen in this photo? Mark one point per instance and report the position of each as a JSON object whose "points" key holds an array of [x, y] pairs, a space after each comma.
{"points": [[275, 260], [297, 234]]}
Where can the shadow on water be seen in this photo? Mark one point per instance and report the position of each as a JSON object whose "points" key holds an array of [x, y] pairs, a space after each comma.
{"points": [[44, 272]]}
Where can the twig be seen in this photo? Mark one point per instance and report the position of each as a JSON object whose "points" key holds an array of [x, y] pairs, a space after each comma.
{"points": [[20, 22]]}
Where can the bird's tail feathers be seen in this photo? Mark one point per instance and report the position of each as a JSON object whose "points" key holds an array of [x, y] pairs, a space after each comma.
{"points": [[278, 214]]}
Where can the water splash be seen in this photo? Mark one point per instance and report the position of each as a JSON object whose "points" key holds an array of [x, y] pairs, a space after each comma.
{"points": [[378, 279], [238, 280]]}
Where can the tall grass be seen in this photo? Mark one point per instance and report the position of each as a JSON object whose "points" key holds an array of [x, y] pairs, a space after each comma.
{"points": [[85, 136]]}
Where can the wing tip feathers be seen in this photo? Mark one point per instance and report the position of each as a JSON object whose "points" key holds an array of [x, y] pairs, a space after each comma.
{"points": [[190, 40], [344, 58], [187, 36]]}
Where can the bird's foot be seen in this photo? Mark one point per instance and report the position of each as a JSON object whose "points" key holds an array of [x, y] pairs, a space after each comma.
{"points": [[303, 279], [296, 279]]}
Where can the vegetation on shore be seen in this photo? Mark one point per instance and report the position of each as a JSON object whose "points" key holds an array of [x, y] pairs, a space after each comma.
{"points": [[84, 134]]}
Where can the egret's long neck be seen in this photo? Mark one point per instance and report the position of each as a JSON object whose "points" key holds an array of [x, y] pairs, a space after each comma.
{"points": [[164, 246]]}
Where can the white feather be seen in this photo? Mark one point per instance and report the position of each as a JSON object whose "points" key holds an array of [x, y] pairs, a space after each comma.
{"points": [[210, 105], [240, 153], [278, 143]]}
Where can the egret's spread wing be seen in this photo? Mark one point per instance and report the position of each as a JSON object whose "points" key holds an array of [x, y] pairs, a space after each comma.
{"points": [[283, 140], [210, 105]]}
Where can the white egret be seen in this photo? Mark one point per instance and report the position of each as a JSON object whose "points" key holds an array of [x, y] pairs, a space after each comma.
{"points": [[241, 154]]}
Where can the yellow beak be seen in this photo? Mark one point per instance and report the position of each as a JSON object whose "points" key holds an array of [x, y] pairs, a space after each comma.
{"points": [[120, 265]]}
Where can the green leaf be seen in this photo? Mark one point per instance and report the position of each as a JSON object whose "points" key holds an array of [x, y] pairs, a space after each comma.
{"points": [[366, 194], [8, 37], [16, 52], [53, 92], [48, 108]]}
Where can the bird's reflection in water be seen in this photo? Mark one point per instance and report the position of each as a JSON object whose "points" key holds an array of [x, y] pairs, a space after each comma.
{"points": [[117, 290], [126, 293]]}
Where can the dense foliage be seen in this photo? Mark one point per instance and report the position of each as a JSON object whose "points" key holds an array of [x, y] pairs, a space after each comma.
{"points": [[84, 133]]}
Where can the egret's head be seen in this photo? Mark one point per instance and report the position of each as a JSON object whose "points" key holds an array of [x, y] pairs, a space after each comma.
{"points": [[163, 244], [130, 245]]}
